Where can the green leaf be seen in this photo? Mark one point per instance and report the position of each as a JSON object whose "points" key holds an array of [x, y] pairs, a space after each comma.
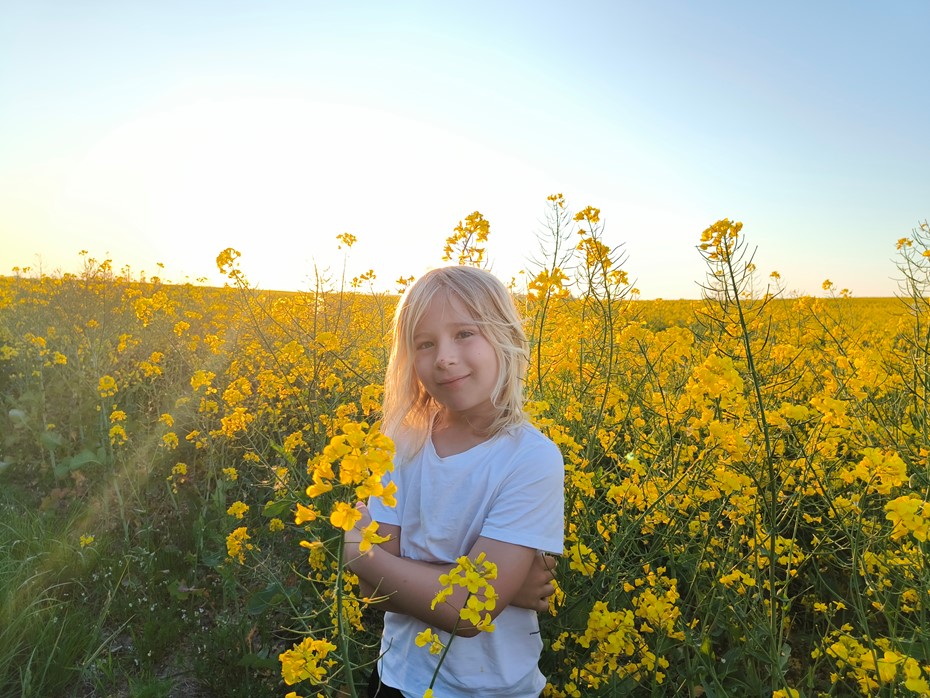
{"points": [[51, 440], [289, 457], [255, 661], [261, 601], [75, 462], [277, 508]]}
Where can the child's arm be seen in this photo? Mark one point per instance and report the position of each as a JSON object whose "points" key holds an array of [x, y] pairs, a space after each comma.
{"points": [[533, 594], [411, 585], [538, 585]]}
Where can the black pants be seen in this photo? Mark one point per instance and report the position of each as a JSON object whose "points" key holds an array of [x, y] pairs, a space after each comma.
{"points": [[376, 689]]}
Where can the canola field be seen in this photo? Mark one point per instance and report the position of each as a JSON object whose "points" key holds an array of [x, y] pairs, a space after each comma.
{"points": [[747, 478]]}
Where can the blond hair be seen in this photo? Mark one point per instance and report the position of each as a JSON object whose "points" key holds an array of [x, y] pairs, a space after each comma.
{"points": [[408, 408]]}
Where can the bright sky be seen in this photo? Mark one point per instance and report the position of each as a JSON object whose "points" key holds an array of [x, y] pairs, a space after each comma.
{"points": [[167, 131]]}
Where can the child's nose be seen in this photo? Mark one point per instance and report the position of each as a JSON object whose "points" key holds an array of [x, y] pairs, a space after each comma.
{"points": [[446, 355]]}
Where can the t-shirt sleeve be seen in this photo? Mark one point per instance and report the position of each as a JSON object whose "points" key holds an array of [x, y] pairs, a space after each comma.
{"points": [[381, 513], [529, 508]]}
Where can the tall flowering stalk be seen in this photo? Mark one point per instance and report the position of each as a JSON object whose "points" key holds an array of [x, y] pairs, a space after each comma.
{"points": [[914, 346], [729, 288], [350, 468], [475, 576]]}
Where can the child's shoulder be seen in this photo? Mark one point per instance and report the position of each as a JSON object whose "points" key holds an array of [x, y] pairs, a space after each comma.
{"points": [[529, 436]]}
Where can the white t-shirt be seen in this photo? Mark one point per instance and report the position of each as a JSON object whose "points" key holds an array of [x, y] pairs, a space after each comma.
{"points": [[509, 488]]}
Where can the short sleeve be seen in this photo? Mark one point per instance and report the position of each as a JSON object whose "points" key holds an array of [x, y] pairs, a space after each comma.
{"points": [[381, 513], [529, 508]]}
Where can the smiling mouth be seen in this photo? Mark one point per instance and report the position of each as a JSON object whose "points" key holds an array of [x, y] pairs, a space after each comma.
{"points": [[452, 381]]}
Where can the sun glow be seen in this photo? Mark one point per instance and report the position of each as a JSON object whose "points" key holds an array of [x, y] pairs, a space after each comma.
{"points": [[279, 179]]}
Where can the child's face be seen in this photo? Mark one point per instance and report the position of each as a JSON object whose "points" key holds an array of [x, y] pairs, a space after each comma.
{"points": [[455, 362]]}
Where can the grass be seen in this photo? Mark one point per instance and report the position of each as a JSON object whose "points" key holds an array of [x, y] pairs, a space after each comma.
{"points": [[106, 620]]}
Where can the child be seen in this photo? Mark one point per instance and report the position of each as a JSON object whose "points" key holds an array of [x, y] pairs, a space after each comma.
{"points": [[473, 476]]}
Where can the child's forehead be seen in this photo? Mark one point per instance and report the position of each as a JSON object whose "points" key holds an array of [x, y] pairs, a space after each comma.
{"points": [[444, 308]]}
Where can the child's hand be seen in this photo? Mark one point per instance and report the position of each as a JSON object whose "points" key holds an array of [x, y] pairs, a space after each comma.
{"points": [[537, 587]]}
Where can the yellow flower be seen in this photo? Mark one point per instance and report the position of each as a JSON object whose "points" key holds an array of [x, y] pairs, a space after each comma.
{"points": [[428, 637], [304, 662], [238, 509], [107, 386], [236, 421], [344, 516], [370, 537], [347, 239], [466, 238], [590, 214], [304, 514], [294, 441], [202, 379], [86, 540], [117, 435], [237, 543], [909, 514], [328, 341]]}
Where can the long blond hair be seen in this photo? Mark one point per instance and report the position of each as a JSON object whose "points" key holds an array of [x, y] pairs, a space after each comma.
{"points": [[408, 408]]}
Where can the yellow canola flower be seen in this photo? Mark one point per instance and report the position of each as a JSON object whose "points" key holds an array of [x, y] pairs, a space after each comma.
{"points": [[305, 514], [719, 240], [428, 637], [882, 470], [237, 543], [318, 487], [591, 214], [474, 576], [107, 386], [914, 678], [117, 435], [909, 515], [238, 509], [370, 537], [361, 455], [304, 661], [202, 379], [344, 516]]}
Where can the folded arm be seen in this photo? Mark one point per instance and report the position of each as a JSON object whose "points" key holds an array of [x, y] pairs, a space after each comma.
{"points": [[524, 578]]}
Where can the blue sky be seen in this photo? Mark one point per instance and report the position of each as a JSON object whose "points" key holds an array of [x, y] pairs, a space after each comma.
{"points": [[165, 132]]}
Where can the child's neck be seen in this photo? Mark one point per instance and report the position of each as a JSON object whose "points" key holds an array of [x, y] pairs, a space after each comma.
{"points": [[452, 436]]}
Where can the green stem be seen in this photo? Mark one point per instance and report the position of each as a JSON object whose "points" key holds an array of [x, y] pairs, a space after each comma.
{"points": [[445, 648], [343, 640], [775, 630]]}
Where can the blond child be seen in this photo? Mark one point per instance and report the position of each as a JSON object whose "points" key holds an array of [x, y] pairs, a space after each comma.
{"points": [[472, 476]]}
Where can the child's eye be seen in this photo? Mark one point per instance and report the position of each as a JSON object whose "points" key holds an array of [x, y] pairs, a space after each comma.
{"points": [[464, 334], [423, 345]]}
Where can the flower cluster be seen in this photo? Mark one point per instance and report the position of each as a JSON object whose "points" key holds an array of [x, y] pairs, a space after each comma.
{"points": [[475, 576], [305, 661]]}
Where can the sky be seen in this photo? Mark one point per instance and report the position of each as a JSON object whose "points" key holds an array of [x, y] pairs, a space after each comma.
{"points": [[158, 134]]}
